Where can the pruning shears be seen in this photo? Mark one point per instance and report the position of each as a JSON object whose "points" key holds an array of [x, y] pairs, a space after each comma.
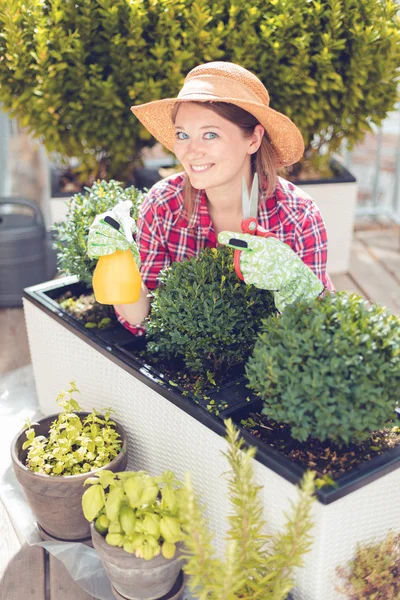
{"points": [[249, 223]]}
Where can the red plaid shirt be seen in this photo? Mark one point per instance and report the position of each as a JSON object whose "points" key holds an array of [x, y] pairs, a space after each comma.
{"points": [[164, 235]]}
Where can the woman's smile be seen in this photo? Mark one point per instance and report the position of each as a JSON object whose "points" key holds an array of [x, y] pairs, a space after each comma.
{"points": [[200, 168]]}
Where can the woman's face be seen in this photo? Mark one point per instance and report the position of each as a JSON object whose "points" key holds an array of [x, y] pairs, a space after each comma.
{"points": [[212, 150]]}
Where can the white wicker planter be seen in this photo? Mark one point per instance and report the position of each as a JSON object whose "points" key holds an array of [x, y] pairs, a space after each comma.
{"points": [[336, 199], [167, 431]]}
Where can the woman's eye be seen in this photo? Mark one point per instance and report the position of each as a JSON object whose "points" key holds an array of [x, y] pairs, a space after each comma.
{"points": [[181, 135], [210, 135]]}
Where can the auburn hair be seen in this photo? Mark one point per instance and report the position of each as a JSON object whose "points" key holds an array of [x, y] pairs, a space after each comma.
{"points": [[263, 161]]}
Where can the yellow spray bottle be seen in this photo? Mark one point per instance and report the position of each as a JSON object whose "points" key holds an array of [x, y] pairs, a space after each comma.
{"points": [[116, 278]]}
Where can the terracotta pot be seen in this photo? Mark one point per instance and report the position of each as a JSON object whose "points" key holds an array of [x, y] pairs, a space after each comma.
{"points": [[135, 578], [57, 501]]}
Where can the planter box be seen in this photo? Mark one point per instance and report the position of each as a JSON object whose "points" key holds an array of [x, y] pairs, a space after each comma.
{"points": [[166, 430], [336, 198]]}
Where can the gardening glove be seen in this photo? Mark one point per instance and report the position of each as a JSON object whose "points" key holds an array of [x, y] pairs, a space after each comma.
{"points": [[269, 264], [113, 230]]}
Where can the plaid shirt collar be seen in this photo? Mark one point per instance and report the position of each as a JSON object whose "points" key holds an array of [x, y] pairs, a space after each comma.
{"points": [[200, 217]]}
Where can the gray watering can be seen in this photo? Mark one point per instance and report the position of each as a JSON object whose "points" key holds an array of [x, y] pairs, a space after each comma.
{"points": [[26, 254]]}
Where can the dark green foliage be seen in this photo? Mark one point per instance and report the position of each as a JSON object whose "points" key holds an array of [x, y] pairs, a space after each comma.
{"points": [[374, 572], [205, 315], [70, 70], [72, 234], [329, 369]]}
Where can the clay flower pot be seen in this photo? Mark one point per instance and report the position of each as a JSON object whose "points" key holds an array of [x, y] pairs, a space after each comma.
{"points": [[135, 578], [56, 501]]}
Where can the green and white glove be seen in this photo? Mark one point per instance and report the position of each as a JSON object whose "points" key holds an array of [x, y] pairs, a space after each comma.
{"points": [[113, 230], [269, 264]]}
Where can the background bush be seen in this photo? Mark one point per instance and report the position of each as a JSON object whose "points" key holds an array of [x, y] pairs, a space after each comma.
{"points": [[70, 70], [330, 369], [374, 572], [203, 314], [72, 233]]}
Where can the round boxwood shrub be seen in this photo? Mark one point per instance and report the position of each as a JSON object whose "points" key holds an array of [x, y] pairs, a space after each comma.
{"points": [[69, 71], [205, 316], [329, 369], [72, 233]]}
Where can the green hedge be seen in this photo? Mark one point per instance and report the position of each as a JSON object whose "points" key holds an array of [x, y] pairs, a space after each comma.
{"points": [[70, 70], [329, 369], [203, 315]]}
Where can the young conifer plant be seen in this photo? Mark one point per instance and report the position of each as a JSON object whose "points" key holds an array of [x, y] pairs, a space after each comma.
{"points": [[256, 566]]}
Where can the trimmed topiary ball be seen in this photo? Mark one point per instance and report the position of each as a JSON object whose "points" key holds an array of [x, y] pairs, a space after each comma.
{"points": [[330, 369], [205, 316]]}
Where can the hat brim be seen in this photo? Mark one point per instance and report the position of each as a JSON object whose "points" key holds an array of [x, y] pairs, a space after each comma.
{"points": [[285, 137]]}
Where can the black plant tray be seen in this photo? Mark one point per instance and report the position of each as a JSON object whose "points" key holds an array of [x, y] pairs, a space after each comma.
{"points": [[234, 394], [346, 483], [117, 347], [48, 293], [122, 343], [341, 175]]}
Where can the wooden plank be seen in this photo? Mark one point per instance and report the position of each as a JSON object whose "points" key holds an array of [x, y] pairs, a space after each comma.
{"points": [[344, 282], [384, 245], [9, 544], [15, 349], [21, 567], [62, 586], [371, 276]]}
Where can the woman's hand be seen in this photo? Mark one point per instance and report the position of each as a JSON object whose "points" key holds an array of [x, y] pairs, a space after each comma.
{"points": [[136, 313], [267, 263]]}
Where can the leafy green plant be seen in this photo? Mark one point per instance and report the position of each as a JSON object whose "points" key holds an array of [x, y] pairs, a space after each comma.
{"points": [[86, 309], [256, 565], [70, 71], [203, 314], [374, 572], [135, 511], [330, 369], [75, 444], [72, 233]]}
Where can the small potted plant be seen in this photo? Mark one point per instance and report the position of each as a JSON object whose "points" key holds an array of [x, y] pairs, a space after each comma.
{"points": [[136, 529], [374, 572], [53, 458], [256, 565]]}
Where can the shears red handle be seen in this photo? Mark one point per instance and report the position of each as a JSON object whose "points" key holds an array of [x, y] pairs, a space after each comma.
{"points": [[250, 226]]}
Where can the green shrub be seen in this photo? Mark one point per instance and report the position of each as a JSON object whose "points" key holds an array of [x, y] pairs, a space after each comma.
{"points": [[205, 315], [374, 572], [70, 71], [329, 369], [72, 233]]}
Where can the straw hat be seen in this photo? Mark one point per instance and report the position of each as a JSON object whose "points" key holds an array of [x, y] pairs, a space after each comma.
{"points": [[225, 82]]}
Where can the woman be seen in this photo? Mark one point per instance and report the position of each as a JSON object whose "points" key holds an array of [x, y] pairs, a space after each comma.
{"points": [[221, 129]]}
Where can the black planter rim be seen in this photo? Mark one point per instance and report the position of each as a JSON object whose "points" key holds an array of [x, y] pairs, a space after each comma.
{"points": [[353, 480]]}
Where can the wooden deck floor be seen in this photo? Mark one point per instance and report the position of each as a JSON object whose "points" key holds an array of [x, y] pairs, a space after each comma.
{"points": [[28, 572]]}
